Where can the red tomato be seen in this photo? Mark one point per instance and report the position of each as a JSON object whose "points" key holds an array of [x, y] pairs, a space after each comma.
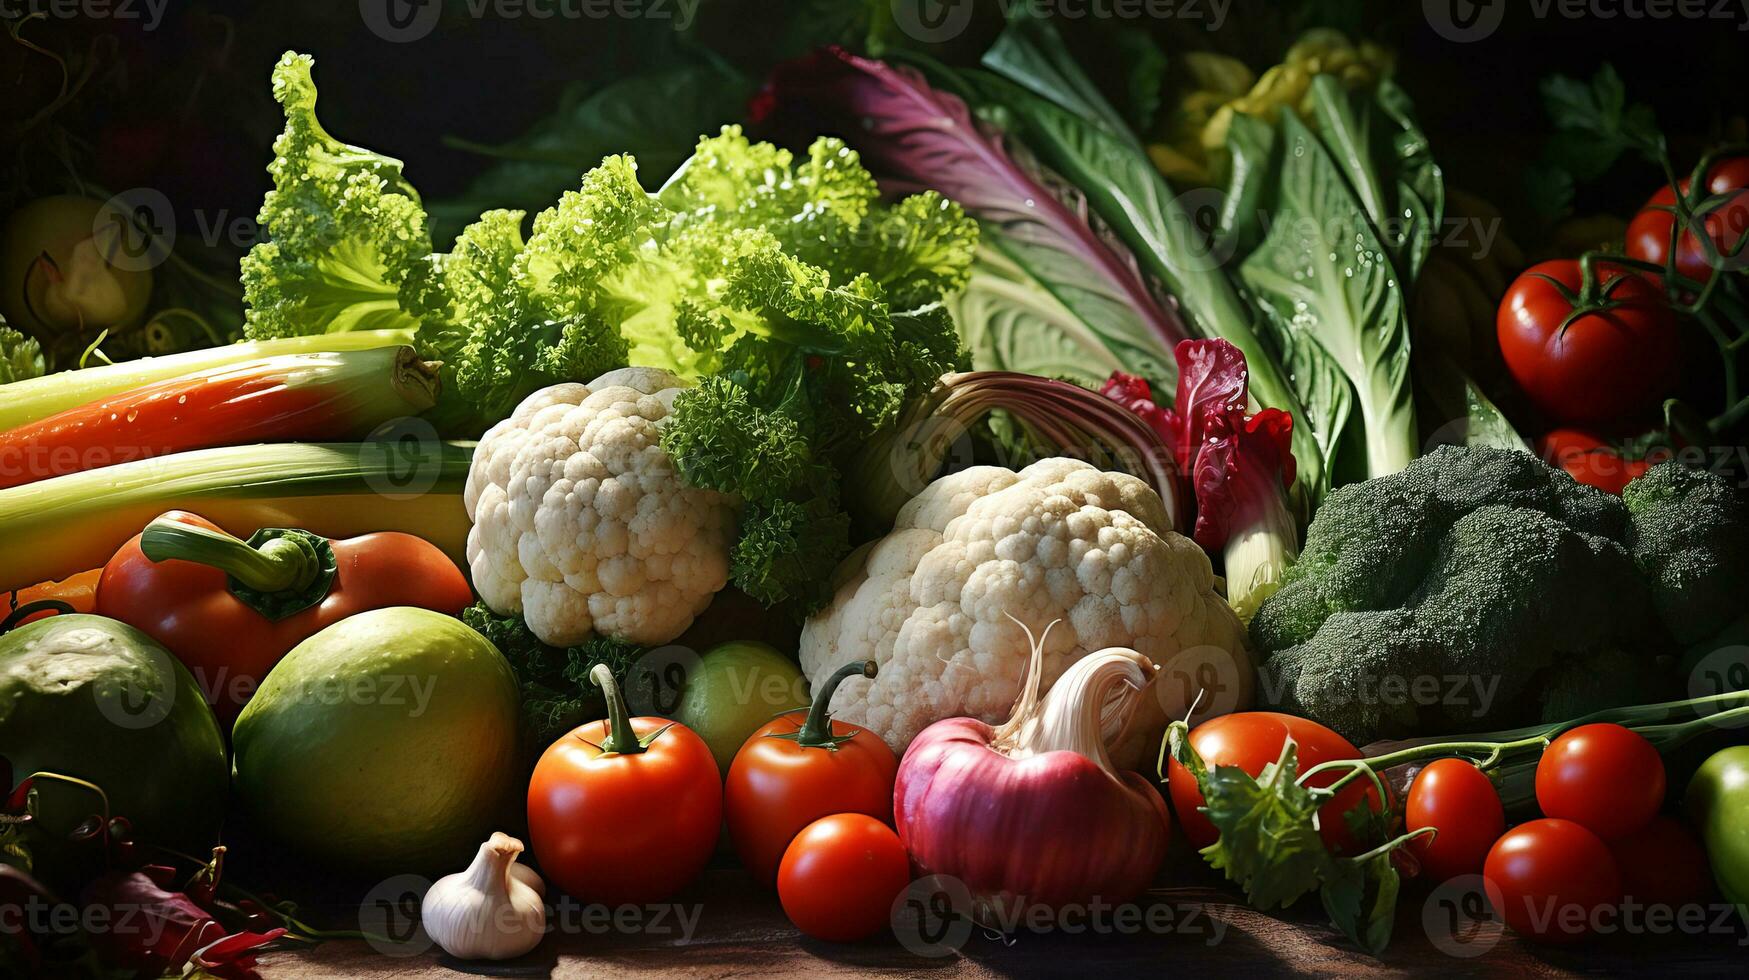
{"points": [[840, 876], [1460, 801], [1649, 234], [1603, 777], [1603, 366], [625, 828], [1550, 878], [777, 786], [1252, 740], [1590, 460], [1663, 864]]}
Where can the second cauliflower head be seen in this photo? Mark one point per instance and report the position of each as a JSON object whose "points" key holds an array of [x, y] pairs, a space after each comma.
{"points": [[582, 526], [930, 603]]}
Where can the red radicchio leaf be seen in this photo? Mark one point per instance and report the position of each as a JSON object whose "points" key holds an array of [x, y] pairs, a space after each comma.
{"points": [[150, 927], [1245, 465], [1211, 384]]}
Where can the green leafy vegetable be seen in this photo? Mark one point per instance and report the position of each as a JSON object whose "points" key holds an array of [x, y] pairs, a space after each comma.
{"points": [[350, 249], [1270, 846], [557, 695], [21, 357], [1322, 268]]}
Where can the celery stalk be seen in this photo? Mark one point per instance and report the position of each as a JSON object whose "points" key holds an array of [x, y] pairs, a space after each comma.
{"points": [[62, 526], [22, 402]]}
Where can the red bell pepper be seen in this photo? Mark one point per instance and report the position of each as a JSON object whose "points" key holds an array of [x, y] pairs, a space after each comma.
{"points": [[230, 609]]}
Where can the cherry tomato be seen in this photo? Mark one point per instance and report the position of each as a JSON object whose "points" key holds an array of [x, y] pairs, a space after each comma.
{"points": [[1603, 777], [1550, 878], [1590, 460], [840, 875], [1725, 222], [1663, 864], [1252, 740], [792, 772], [1460, 801], [1602, 367], [626, 810]]}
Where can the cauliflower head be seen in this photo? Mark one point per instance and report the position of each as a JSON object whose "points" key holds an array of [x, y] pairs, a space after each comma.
{"points": [[582, 526], [1060, 540]]}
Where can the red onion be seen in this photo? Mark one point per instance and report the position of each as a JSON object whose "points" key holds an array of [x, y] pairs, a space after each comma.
{"points": [[1033, 813]]}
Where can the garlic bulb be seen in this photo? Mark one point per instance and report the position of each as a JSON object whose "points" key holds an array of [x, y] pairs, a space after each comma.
{"points": [[491, 911]]}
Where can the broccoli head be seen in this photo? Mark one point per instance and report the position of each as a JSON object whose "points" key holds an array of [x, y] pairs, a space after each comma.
{"points": [[1448, 596], [553, 684], [1689, 535]]}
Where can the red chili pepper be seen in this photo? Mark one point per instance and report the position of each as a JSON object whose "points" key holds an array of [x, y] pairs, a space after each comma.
{"points": [[230, 609], [302, 397]]}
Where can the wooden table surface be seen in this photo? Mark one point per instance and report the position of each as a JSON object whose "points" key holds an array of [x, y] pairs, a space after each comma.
{"points": [[1199, 929]]}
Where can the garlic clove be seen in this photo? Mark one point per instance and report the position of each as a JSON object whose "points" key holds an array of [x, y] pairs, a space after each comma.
{"points": [[492, 910]]}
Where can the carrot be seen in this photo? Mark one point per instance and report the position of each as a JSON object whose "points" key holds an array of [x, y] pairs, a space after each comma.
{"points": [[76, 594], [295, 397]]}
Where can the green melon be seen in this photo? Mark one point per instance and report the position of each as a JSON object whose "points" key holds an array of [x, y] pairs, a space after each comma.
{"points": [[385, 742], [92, 698]]}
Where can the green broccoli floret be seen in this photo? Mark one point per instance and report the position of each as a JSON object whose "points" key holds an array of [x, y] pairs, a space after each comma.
{"points": [[1442, 597], [554, 684], [1690, 538]]}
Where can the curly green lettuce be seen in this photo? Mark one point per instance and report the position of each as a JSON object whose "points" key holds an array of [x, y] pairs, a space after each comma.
{"points": [[349, 247], [807, 311]]}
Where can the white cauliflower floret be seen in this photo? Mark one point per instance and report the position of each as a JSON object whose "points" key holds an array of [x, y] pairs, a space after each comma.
{"points": [[930, 602], [581, 523]]}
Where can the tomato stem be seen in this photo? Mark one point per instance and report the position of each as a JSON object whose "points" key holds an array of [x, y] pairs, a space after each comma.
{"points": [[816, 731], [620, 740]]}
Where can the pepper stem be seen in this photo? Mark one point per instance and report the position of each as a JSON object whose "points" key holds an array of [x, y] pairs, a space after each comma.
{"points": [[276, 565], [816, 731], [620, 739]]}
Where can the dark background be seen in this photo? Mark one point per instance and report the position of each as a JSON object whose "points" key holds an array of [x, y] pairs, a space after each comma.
{"points": [[186, 107]]}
